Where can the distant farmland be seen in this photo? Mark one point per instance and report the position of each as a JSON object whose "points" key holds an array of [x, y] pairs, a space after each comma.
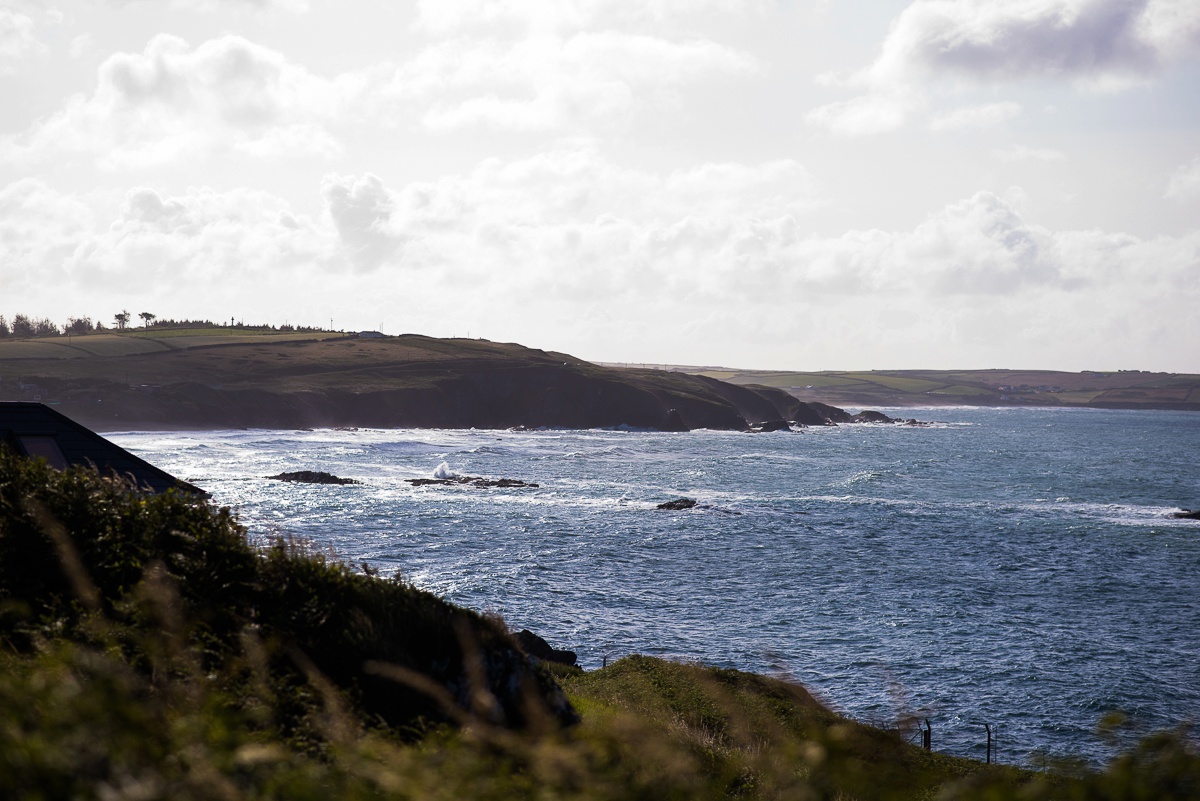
{"points": [[1131, 389]]}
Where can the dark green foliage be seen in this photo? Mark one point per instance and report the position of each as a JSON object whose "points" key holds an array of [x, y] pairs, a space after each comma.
{"points": [[77, 547]]}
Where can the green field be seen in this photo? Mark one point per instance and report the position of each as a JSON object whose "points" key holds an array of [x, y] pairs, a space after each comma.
{"points": [[144, 341]]}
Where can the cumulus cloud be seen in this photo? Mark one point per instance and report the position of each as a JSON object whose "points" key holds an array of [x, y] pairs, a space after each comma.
{"points": [[1184, 183], [1104, 45], [173, 101], [232, 96], [568, 249], [362, 211]]}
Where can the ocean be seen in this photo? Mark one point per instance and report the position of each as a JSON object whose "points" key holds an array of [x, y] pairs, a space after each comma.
{"points": [[1010, 567]]}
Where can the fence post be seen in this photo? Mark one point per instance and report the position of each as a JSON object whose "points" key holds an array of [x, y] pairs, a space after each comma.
{"points": [[927, 736], [989, 744]]}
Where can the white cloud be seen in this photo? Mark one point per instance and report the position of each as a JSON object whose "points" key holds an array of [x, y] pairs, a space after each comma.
{"points": [[988, 115], [17, 40], [228, 95], [173, 101], [570, 250], [1017, 153], [1184, 183], [868, 114]]}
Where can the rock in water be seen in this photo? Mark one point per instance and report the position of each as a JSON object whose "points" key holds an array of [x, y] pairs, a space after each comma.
{"points": [[1187, 514], [313, 477], [474, 481], [677, 504], [871, 416]]}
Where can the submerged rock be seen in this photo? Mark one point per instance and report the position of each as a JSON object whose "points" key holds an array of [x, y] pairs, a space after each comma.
{"points": [[312, 477], [677, 504]]}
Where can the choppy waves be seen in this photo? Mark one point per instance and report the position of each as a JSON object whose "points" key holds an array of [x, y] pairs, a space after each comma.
{"points": [[1014, 567]]}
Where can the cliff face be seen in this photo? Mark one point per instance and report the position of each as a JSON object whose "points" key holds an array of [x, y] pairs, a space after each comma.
{"points": [[405, 381]]}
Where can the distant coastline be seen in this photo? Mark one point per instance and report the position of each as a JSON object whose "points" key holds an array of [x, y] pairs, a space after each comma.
{"points": [[1001, 388]]}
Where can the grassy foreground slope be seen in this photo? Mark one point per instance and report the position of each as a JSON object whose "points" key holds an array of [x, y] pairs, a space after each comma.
{"points": [[1123, 389], [269, 380], [150, 650]]}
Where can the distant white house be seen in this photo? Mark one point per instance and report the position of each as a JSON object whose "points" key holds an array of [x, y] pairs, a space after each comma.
{"points": [[371, 335]]}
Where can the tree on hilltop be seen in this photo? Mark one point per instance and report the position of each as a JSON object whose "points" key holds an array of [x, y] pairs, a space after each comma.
{"points": [[78, 326], [122, 319], [147, 318]]}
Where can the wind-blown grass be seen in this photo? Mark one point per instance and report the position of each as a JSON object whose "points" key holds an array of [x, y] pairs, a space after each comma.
{"points": [[149, 649]]}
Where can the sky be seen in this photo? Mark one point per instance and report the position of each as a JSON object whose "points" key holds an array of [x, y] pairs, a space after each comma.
{"points": [[787, 184]]}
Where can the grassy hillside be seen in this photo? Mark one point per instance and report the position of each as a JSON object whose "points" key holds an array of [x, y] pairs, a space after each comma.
{"points": [[153, 340], [150, 648], [1122, 389], [232, 379]]}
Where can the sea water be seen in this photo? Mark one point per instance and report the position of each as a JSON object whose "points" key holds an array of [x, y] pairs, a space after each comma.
{"points": [[1014, 567]]}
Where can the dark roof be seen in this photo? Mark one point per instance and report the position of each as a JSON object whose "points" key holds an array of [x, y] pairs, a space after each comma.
{"points": [[36, 430]]}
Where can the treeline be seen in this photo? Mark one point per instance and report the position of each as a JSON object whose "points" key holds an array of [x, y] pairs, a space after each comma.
{"points": [[24, 327]]}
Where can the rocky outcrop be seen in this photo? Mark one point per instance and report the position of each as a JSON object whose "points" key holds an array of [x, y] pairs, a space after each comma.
{"points": [[312, 477], [868, 416], [474, 481], [538, 648], [679, 504], [770, 425], [1187, 514]]}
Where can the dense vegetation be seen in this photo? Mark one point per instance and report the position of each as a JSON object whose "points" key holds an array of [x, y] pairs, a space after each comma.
{"points": [[149, 649], [24, 327]]}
